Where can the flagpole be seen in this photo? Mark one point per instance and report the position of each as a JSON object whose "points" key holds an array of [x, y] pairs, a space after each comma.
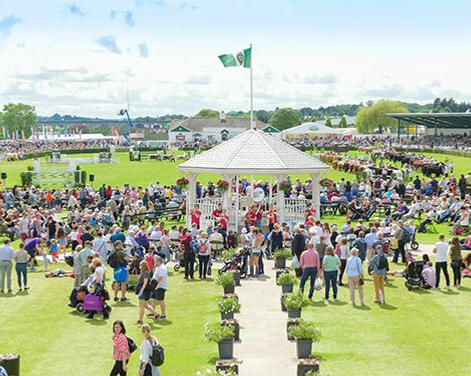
{"points": [[252, 125]]}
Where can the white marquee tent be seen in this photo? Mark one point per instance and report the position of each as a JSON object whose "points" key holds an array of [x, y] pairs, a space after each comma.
{"points": [[253, 152], [315, 129]]}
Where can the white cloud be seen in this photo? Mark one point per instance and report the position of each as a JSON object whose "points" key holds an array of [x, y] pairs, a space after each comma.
{"points": [[203, 79], [108, 42]]}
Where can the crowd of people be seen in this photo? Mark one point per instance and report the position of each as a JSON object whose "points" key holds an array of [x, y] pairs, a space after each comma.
{"points": [[444, 142], [16, 149], [124, 229]]}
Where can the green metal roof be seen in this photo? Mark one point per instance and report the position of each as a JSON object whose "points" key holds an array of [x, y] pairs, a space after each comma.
{"points": [[438, 120]]}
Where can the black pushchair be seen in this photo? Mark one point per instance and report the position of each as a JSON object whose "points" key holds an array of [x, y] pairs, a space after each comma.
{"points": [[238, 262], [414, 277]]}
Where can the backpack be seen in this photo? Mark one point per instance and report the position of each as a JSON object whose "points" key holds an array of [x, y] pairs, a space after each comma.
{"points": [[196, 247], [157, 357], [406, 237], [383, 262], [113, 259]]}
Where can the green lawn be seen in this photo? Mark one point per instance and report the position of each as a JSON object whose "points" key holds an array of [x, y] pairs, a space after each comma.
{"points": [[417, 333], [52, 339], [134, 173]]}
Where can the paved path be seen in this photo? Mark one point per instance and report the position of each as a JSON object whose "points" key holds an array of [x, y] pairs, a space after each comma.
{"points": [[264, 348]]}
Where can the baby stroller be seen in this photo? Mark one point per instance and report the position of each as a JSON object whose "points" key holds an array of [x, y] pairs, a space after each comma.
{"points": [[82, 300], [413, 242], [413, 275], [238, 262]]}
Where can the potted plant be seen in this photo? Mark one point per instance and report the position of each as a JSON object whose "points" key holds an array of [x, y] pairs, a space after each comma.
{"points": [[228, 367], [226, 280], [217, 372], [235, 324], [280, 256], [222, 186], [308, 367], [182, 183], [227, 307], [292, 322], [223, 336], [285, 186], [286, 280], [280, 272], [305, 334], [294, 303], [283, 307]]}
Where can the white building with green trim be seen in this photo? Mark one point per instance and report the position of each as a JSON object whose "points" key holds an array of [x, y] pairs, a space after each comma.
{"points": [[214, 129]]}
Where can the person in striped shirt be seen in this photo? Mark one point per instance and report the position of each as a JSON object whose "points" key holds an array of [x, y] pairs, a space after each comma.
{"points": [[121, 351]]}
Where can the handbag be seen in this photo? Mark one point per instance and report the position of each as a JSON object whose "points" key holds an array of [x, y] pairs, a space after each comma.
{"points": [[295, 262], [132, 345]]}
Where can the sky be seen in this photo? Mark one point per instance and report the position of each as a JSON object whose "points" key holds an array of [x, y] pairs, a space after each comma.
{"points": [[78, 57]]}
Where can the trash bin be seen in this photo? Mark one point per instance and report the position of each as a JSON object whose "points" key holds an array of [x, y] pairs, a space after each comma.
{"points": [[11, 363]]}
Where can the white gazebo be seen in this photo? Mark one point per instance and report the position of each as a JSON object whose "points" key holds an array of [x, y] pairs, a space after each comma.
{"points": [[253, 152]]}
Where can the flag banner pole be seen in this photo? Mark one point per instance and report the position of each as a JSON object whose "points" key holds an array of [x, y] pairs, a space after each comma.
{"points": [[252, 124]]}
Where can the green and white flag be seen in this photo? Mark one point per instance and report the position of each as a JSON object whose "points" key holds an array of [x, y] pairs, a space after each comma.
{"points": [[241, 59]]}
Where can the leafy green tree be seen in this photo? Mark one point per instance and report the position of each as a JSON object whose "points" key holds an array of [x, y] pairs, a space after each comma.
{"points": [[18, 117], [343, 122], [370, 119], [328, 122], [285, 118], [263, 115], [207, 113]]}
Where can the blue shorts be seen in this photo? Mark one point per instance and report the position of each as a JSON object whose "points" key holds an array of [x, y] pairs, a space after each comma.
{"points": [[120, 274]]}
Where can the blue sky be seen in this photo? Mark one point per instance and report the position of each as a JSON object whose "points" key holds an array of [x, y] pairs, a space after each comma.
{"points": [[75, 56]]}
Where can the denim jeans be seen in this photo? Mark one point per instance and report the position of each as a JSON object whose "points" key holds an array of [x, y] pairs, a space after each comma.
{"points": [[203, 261], [21, 270], [308, 273], [330, 278]]}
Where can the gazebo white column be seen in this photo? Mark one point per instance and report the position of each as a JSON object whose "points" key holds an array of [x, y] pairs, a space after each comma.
{"points": [[191, 196], [280, 198], [227, 204], [316, 200]]}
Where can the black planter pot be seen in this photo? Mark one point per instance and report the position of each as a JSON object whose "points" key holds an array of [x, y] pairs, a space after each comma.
{"points": [[283, 308], [303, 349], [286, 288], [294, 313], [280, 263], [305, 368], [227, 316], [11, 364], [236, 275], [229, 289], [226, 349]]}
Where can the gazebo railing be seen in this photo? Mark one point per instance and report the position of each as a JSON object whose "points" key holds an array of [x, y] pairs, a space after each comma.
{"points": [[207, 206], [294, 209]]}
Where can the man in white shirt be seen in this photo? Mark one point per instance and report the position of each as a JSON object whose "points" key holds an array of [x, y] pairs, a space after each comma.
{"points": [[441, 252], [161, 276]]}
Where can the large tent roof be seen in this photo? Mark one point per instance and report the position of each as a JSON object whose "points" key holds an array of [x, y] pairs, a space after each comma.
{"points": [[436, 120], [316, 128], [253, 152]]}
